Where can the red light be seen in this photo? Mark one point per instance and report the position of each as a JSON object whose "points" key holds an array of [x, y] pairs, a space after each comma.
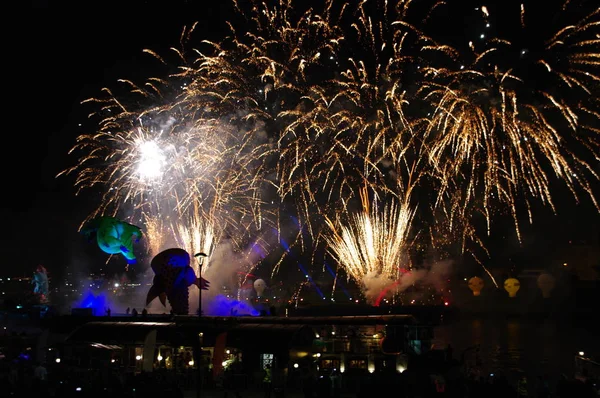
{"points": [[446, 303]]}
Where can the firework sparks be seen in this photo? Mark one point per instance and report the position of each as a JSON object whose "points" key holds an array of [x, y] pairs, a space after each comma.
{"points": [[372, 246], [305, 106]]}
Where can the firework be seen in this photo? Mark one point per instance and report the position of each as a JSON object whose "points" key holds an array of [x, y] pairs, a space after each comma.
{"points": [[372, 246], [171, 172], [194, 233], [289, 117]]}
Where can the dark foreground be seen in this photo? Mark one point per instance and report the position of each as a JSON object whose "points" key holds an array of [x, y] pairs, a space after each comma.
{"points": [[450, 379]]}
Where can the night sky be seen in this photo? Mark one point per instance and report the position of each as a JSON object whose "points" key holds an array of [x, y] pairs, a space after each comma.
{"points": [[62, 55]]}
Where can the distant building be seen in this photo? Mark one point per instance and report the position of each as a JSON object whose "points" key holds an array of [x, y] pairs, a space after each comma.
{"points": [[353, 344]]}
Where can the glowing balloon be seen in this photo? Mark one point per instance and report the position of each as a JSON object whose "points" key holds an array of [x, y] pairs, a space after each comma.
{"points": [[546, 283], [114, 236], [173, 275], [512, 286], [260, 286], [476, 284], [40, 283]]}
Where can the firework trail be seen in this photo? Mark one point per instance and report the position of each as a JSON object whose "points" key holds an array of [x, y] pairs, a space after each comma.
{"points": [[171, 172], [372, 246], [295, 108], [194, 233]]}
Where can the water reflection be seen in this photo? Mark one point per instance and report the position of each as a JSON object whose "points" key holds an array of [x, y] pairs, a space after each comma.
{"points": [[513, 345]]}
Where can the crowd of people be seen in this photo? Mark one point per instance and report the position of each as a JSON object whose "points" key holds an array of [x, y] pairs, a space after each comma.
{"points": [[27, 378], [451, 379], [24, 379]]}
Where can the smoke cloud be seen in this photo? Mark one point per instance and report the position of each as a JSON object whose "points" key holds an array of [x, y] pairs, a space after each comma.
{"points": [[226, 270], [435, 275]]}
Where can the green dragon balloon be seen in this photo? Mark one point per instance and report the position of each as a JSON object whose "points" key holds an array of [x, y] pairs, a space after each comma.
{"points": [[114, 236]]}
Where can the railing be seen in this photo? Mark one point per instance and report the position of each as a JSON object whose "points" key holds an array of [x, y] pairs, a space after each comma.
{"points": [[586, 368]]}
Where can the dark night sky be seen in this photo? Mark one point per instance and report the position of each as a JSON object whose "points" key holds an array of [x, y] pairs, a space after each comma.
{"points": [[62, 55]]}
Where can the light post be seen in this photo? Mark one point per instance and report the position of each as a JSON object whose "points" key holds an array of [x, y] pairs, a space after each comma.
{"points": [[200, 256]]}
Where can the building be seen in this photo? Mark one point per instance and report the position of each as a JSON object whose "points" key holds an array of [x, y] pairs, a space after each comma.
{"points": [[351, 344]]}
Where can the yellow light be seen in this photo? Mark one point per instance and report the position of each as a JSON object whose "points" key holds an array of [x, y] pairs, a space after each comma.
{"points": [[191, 363], [371, 364], [296, 353]]}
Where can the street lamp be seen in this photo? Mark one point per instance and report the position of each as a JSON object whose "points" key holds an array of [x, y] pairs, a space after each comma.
{"points": [[200, 256]]}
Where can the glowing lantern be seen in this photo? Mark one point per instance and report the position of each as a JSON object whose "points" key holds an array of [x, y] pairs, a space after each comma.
{"points": [[512, 286], [546, 284], [476, 284], [260, 286]]}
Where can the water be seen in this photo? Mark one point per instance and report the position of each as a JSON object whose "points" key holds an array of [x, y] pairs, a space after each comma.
{"points": [[536, 347]]}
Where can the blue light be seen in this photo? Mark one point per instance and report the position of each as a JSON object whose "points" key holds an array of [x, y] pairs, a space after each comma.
{"points": [[223, 306], [99, 302]]}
